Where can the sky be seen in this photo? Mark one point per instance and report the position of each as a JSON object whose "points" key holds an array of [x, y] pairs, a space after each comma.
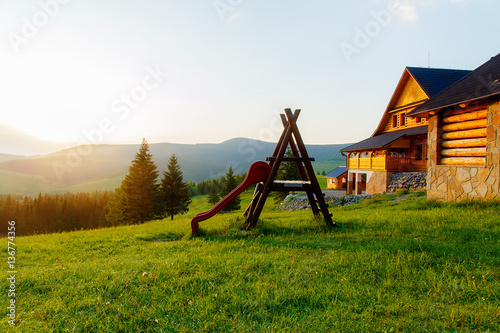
{"points": [[204, 71]]}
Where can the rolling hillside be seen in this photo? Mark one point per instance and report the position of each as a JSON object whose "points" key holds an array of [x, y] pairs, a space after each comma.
{"points": [[409, 265], [102, 167]]}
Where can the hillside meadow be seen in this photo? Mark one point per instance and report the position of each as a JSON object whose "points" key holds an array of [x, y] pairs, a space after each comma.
{"points": [[395, 264]]}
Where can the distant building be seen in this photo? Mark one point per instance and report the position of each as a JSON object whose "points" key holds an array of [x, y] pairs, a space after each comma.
{"points": [[399, 144], [337, 179], [464, 136]]}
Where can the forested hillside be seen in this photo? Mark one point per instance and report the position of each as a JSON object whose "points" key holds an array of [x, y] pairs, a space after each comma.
{"points": [[103, 167]]}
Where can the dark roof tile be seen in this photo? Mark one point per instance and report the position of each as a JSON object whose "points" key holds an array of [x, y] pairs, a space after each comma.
{"points": [[483, 82], [382, 140], [435, 80], [338, 171]]}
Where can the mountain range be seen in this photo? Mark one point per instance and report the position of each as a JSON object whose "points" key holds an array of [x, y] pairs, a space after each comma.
{"points": [[102, 167]]}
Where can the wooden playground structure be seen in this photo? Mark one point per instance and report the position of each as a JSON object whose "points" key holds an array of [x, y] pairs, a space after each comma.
{"points": [[263, 174]]}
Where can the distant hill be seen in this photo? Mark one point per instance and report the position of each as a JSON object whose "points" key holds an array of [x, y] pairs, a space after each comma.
{"points": [[102, 167]]}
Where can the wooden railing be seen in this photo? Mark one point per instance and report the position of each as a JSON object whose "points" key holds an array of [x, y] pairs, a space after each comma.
{"points": [[380, 162]]}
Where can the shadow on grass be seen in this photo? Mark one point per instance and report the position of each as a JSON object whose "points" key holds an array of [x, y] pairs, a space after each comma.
{"points": [[269, 232], [162, 237]]}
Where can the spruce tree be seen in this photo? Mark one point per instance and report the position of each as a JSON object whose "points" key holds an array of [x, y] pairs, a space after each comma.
{"points": [[175, 192], [141, 192], [229, 184], [115, 207], [213, 195]]}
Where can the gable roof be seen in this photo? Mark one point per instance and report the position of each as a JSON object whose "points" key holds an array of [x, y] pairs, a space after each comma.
{"points": [[337, 172], [435, 80], [382, 140], [430, 80], [483, 82]]}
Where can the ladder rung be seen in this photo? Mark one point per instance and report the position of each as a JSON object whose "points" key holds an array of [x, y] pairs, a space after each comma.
{"points": [[290, 159], [291, 185]]}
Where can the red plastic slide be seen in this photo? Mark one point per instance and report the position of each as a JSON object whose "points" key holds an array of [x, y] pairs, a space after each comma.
{"points": [[257, 172]]}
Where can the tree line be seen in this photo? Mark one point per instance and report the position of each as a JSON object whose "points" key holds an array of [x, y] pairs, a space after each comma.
{"points": [[141, 197], [54, 213]]}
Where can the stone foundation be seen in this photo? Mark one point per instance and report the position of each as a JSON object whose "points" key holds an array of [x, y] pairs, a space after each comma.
{"points": [[378, 182], [408, 181]]}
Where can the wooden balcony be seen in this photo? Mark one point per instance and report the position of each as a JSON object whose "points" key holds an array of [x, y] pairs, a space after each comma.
{"points": [[385, 163]]}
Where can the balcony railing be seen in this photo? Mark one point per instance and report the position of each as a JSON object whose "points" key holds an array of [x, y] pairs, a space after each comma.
{"points": [[384, 163]]}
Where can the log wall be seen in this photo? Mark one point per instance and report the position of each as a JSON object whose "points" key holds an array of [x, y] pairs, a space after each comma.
{"points": [[464, 137]]}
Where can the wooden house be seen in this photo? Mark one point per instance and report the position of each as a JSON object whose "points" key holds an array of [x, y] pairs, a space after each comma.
{"points": [[464, 136], [399, 144], [337, 179]]}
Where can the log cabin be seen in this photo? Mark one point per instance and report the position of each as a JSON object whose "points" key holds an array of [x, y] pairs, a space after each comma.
{"points": [[337, 179], [464, 136], [399, 144]]}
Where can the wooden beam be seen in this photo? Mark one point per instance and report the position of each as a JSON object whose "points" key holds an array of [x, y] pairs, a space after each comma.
{"points": [[470, 108], [310, 171], [464, 152], [465, 125], [463, 161], [474, 133], [466, 116], [290, 159], [465, 143]]}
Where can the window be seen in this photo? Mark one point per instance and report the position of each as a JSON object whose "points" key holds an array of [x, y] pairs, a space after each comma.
{"points": [[402, 119], [419, 153], [395, 120]]}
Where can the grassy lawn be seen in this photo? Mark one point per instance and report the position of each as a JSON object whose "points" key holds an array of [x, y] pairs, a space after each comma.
{"points": [[392, 266]]}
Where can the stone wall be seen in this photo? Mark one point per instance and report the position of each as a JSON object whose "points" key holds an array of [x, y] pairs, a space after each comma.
{"points": [[378, 182], [408, 181], [455, 183]]}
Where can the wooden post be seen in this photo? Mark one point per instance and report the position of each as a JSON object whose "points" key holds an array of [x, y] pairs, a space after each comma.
{"points": [[285, 137], [310, 171]]}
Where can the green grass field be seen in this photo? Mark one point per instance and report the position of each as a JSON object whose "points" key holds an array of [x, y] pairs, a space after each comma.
{"points": [[392, 266], [327, 166]]}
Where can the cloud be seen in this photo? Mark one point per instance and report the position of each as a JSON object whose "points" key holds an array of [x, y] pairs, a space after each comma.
{"points": [[233, 17], [407, 11]]}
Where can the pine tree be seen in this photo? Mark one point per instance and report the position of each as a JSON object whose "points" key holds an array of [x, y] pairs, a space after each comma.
{"points": [[140, 188], [115, 207], [229, 184], [213, 195], [175, 192]]}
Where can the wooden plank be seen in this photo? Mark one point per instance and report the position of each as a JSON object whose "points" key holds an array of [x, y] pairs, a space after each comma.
{"points": [[463, 161], [290, 159], [474, 133], [464, 152], [456, 110], [465, 125], [465, 143], [309, 169], [482, 114]]}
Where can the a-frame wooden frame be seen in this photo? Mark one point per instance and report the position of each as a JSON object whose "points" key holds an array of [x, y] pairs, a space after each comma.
{"points": [[289, 138]]}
